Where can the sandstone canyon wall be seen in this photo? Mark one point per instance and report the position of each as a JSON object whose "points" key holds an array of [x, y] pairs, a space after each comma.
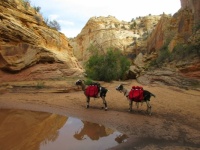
{"points": [[193, 5], [182, 30], [179, 30], [29, 49], [105, 32], [145, 39]]}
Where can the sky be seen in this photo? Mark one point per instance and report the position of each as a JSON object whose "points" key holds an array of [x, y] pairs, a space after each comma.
{"points": [[72, 15]]}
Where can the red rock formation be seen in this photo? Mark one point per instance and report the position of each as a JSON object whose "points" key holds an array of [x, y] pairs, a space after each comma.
{"points": [[158, 36], [26, 41], [179, 29], [193, 5]]}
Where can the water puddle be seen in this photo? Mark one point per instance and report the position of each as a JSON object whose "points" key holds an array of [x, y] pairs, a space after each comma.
{"points": [[22, 129]]}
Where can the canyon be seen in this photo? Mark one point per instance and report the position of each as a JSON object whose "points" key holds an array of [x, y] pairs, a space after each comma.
{"points": [[30, 48]]}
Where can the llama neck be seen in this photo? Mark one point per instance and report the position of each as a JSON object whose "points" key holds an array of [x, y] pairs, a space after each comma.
{"points": [[83, 86], [125, 91]]}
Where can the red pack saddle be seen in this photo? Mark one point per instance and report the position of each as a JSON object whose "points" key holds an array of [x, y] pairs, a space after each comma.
{"points": [[136, 93], [92, 91]]}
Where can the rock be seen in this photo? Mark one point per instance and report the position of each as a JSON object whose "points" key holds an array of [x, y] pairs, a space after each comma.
{"points": [[164, 76], [26, 40], [106, 32], [193, 5]]}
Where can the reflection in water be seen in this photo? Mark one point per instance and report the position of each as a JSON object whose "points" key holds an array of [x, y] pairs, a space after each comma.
{"points": [[121, 138], [77, 134], [30, 130], [96, 131], [92, 130], [25, 130]]}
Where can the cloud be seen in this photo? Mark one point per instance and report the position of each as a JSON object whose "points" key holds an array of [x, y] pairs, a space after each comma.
{"points": [[53, 17], [70, 32], [66, 23], [76, 13]]}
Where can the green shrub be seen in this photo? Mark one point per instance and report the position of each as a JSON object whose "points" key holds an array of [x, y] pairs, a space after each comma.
{"points": [[94, 50], [123, 27], [107, 67], [88, 81], [116, 25], [196, 27], [183, 51], [25, 3], [54, 25], [133, 25], [37, 8], [163, 56], [180, 52]]}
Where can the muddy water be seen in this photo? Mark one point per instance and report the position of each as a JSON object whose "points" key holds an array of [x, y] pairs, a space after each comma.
{"points": [[30, 130]]}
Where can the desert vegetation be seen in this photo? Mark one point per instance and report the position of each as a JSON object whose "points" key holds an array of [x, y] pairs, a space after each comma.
{"points": [[51, 23], [108, 66]]}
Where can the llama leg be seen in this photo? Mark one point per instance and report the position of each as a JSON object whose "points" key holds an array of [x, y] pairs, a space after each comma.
{"points": [[137, 104], [105, 103], [148, 107], [130, 105], [88, 102]]}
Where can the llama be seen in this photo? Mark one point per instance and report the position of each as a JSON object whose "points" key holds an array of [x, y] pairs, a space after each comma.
{"points": [[101, 93], [146, 98]]}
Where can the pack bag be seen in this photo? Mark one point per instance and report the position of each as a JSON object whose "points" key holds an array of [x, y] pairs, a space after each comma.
{"points": [[92, 91], [136, 93]]}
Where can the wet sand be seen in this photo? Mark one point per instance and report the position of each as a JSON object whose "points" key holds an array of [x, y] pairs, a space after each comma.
{"points": [[174, 124]]}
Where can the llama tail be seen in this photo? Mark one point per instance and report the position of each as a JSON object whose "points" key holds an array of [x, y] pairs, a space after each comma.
{"points": [[153, 95]]}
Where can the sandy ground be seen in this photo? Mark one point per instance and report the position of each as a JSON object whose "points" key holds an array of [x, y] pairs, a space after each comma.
{"points": [[174, 123]]}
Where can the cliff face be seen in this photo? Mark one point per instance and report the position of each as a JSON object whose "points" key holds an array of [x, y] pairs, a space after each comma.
{"points": [[179, 30], [193, 5], [163, 30], [106, 32], [29, 48], [146, 35], [176, 29], [26, 42]]}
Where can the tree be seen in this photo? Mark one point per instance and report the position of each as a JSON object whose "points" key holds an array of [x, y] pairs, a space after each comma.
{"points": [[54, 24], [107, 67], [37, 8]]}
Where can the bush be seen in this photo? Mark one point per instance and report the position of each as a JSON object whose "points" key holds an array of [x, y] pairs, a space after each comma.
{"points": [[182, 51], [53, 24], [25, 3], [163, 56], [107, 67], [37, 8], [196, 27], [88, 81], [131, 26]]}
